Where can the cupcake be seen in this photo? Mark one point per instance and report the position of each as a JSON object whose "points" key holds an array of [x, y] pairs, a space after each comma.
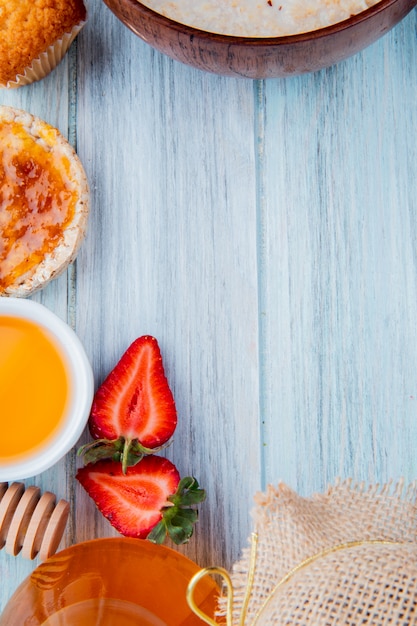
{"points": [[34, 37], [44, 200]]}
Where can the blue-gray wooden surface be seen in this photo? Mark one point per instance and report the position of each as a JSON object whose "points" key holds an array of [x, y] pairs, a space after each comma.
{"points": [[266, 233]]}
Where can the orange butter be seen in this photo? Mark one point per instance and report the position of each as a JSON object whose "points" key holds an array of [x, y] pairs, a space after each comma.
{"points": [[34, 387]]}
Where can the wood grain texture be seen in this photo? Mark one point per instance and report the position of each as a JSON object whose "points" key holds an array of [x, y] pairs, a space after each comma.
{"points": [[171, 253], [265, 233], [339, 270]]}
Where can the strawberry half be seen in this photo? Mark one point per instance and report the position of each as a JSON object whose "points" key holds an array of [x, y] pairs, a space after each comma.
{"points": [[149, 501], [133, 412]]}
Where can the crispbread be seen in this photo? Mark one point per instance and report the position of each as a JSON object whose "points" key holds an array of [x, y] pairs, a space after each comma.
{"points": [[60, 165]]}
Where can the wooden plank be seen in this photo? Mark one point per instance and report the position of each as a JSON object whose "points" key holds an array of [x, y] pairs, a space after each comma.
{"points": [[171, 251], [339, 269]]}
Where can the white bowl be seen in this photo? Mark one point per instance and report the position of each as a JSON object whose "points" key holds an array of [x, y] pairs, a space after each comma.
{"points": [[81, 385]]}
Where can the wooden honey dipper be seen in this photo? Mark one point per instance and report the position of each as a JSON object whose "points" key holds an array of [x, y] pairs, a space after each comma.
{"points": [[30, 523]]}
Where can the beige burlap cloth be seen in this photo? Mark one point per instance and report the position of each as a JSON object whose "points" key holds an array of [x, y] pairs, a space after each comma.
{"points": [[345, 557]]}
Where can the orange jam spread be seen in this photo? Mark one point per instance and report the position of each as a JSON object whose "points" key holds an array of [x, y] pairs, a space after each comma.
{"points": [[37, 199], [34, 388]]}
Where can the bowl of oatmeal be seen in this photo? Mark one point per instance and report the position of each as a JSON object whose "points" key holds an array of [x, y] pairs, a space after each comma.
{"points": [[260, 38]]}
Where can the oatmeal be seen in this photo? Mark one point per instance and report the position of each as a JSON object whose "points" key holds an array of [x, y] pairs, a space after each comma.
{"points": [[259, 18]]}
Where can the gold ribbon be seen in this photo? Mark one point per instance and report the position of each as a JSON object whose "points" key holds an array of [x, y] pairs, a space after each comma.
{"points": [[251, 574]]}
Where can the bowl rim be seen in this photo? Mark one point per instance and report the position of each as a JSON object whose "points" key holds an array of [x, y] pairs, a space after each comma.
{"points": [[319, 33], [82, 389]]}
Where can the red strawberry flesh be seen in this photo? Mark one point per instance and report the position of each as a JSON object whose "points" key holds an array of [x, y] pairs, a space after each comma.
{"points": [[135, 401], [132, 502]]}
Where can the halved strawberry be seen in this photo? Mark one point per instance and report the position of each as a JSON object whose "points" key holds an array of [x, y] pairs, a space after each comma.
{"points": [[133, 411], [149, 501]]}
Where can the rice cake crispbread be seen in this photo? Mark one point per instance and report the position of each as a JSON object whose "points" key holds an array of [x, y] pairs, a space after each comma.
{"points": [[44, 202]]}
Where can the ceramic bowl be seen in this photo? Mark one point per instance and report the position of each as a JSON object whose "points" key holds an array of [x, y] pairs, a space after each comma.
{"points": [[113, 581], [79, 388], [260, 57]]}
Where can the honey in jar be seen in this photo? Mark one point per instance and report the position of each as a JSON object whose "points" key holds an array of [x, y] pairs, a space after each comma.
{"points": [[115, 581]]}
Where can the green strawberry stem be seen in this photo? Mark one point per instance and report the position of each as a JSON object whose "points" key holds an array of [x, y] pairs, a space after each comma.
{"points": [[127, 451], [178, 518]]}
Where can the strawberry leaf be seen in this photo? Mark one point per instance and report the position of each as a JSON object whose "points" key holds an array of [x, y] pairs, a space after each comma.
{"points": [[180, 533], [188, 492], [127, 451], [158, 534], [178, 519]]}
